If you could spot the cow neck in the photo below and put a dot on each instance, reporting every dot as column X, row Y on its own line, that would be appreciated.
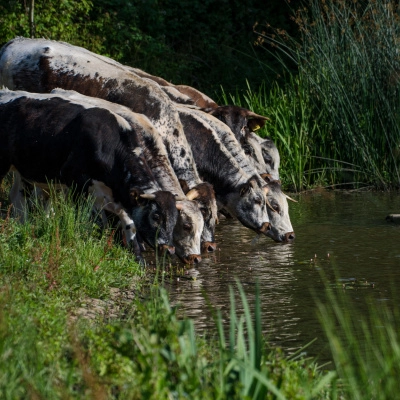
column 214, row 162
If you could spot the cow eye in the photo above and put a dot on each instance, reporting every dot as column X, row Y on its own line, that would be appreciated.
column 203, row 210
column 267, row 157
column 276, row 208
column 187, row 227
column 156, row 217
column 258, row 201
column 248, row 150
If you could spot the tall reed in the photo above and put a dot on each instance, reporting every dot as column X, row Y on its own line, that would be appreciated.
column 349, row 63
column 365, row 345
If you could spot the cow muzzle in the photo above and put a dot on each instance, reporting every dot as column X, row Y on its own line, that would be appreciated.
column 192, row 259
column 208, row 247
column 288, row 237
column 165, row 249
column 265, row 228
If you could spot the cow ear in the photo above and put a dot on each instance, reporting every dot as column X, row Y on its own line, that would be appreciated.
column 267, row 177
column 255, row 121
column 184, row 185
column 247, row 187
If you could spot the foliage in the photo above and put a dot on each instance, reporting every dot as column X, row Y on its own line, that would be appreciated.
column 204, row 44
column 348, row 65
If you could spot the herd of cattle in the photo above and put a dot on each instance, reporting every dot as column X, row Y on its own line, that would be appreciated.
column 166, row 159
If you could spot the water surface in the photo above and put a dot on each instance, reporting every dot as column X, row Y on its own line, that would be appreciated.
column 335, row 231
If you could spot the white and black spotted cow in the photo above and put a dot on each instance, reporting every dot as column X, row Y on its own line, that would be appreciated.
column 262, row 151
column 40, row 65
column 189, row 227
column 237, row 191
column 48, row 138
column 281, row 227
column 235, row 127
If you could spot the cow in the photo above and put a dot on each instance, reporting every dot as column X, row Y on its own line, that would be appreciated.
column 49, row 138
column 243, row 123
column 281, row 227
column 236, row 191
column 189, row 229
column 182, row 94
column 204, row 132
column 40, row 65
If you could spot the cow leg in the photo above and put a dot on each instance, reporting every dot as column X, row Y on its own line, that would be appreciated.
column 18, row 199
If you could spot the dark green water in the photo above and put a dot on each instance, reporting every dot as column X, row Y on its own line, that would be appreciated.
column 335, row 231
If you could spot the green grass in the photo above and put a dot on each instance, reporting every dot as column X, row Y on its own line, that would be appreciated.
column 365, row 345
column 75, row 323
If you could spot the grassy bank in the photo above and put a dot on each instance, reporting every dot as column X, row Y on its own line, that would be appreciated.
column 79, row 319
column 75, row 323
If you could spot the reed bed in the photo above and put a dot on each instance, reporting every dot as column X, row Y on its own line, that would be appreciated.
column 336, row 119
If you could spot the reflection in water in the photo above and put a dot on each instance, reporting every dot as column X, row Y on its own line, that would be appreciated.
column 346, row 233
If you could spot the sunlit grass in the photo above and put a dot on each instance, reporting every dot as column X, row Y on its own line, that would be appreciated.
column 74, row 323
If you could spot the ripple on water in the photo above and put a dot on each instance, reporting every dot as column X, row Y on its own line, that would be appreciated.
column 334, row 232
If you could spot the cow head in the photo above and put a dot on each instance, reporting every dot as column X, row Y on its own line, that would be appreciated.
column 203, row 194
column 262, row 153
column 249, row 206
column 187, row 232
column 155, row 217
column 240, row 120
column 278, row 212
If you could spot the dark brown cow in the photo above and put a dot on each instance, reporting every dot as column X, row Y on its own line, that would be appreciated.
column 49, row 138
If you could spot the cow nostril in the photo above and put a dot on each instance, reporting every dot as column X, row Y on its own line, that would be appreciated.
column 208, row 247
column 289, row 236
column 196, row 259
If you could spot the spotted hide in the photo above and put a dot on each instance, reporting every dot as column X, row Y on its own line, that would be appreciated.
column 182, row 94
column 49, row 138
column 263, row 153
column 40, row 65
column 189, row 227
column 213, row 129
column 236, row 191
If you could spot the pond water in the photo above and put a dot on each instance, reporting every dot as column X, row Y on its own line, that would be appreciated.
column 335, row 231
